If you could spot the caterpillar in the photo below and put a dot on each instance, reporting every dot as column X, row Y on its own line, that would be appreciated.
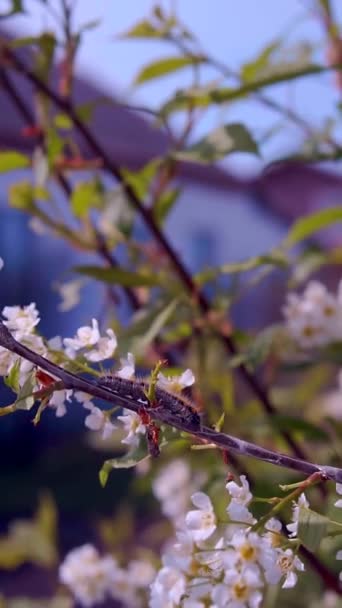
column 136, row 391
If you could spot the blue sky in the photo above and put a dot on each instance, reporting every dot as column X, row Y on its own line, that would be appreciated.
column 232, row 31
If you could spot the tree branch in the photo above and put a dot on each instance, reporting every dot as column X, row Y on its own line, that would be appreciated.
column 11, row 60
column 163, row 414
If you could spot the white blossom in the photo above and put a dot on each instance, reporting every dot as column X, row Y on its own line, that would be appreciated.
column 133, row 427
column 302, row 503
column 69, row 293
column 140, row 572
column 201, row 523
column 97, row 420
column 105, row 348
column 288, row 563
column 313, row 318
column 127, row 369
column 176, row 384
column 7, row 360
column 58, row 401
column 21, row 319
column 240, row 498
column 38, row 227
column 87, row 574
column 168, row 587
column 173, row 487
column 338, row 502
column 239, row 590
column 85, row 336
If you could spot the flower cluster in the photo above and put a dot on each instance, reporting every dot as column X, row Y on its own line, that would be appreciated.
column 89, row 344
column 314, row 318
column 173, row 487
column 92, row 578
column 225, row 565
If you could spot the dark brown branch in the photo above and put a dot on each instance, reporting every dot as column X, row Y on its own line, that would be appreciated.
column 12, row 60
column 164, row 415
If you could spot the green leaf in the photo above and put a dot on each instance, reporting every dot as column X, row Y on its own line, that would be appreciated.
column 24, row 400
column 251, row 70
column 156, row 326
column 141, row 180
column 310, row 224
column 54, row 145
column 127, row 461
column 307, row 429
column 12, row 379
column 274, row 258
column 311, row 528
column 119, row 276
column 204, row 97
column 11, row 160
column 218, row 144
column 63, row 121
column 85, row 196
column 21, row 196
column 44, row 58
column 144, row 29
column 165, row 66
column 261, row 346
column 164, row 204
column 41, row 193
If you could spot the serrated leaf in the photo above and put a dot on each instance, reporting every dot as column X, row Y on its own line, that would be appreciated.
column 311, row 528
column 163, row 67
column 21, row 195
column 85, row 196
column 119, row 276
column 10, row 160
column 127, row 461
column 310, row 224
column 164, row 205
column 218, row 144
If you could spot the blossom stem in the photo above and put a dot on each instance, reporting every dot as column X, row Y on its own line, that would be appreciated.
column 281, row 503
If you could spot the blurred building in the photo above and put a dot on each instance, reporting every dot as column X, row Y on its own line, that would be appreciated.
column 219, row 218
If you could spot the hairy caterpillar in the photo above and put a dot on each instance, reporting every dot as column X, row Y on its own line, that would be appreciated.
column 135, row 390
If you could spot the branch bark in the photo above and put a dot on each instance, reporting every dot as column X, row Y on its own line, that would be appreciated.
column 164, row 415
